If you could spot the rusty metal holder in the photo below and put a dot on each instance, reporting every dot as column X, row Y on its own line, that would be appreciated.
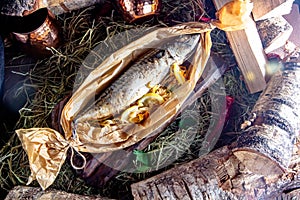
column 133, row 10
column 44, row 36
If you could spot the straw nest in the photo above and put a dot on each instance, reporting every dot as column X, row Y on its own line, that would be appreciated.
column 57, row 76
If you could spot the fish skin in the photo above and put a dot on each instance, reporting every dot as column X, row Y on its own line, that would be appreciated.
column 132, row 84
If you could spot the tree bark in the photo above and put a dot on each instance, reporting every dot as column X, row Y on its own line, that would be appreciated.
column 218, row 175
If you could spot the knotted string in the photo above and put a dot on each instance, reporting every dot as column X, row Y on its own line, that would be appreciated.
column 72, row 157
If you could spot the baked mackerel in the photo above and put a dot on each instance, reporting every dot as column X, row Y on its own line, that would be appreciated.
column 150, row 69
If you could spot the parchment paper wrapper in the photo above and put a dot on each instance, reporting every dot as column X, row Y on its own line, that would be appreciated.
column 46, row 148
column 234, row 15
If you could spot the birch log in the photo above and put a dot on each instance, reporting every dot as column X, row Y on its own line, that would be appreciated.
column 266, row 146
column 219, row 175
column 35, row 193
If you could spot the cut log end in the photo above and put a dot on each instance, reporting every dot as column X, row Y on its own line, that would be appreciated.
column 274, row 32
column 267, row 9
column 258, row 163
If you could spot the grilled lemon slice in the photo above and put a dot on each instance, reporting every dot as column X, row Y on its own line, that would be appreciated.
column 179, row 73
column 150, row 99
column 135, row 114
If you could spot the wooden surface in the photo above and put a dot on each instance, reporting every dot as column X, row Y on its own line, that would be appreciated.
column 249, row 53
column 264, row 9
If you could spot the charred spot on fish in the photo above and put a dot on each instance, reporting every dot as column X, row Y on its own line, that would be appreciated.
column 123, row 135
column 160, row 54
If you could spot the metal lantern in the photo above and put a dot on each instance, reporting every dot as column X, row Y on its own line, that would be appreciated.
column 136, row 9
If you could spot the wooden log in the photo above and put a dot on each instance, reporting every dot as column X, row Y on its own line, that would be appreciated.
column 59, row 7
column 247, row 48
column 34, row 193
column 265, row 147
column 198, row 179
column 274, row 32
column 218, row 175
column 25, row 7
column 263, row 9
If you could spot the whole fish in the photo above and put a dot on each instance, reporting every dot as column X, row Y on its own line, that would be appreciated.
column 134, row 82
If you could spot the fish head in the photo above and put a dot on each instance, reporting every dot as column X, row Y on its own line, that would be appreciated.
column 183, row 46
